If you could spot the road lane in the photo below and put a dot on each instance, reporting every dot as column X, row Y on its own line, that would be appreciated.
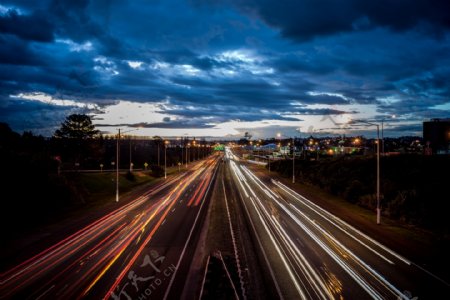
column 121, row 254
column 322, row 256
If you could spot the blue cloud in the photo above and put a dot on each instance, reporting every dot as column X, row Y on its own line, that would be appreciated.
column 230, row 60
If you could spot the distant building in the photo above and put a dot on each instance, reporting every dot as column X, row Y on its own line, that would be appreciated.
column 436, row 136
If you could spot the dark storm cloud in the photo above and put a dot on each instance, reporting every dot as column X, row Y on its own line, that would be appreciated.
column 222, row 113
column 43, row 118
column 319, row 111
column 214, row 62
column 35, row 27
column 179, row 124
column 15, row 51
column 303, row 20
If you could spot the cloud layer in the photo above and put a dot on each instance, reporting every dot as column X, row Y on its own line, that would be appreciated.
column 204, row 65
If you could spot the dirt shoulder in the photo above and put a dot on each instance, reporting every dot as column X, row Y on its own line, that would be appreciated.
column 425, row 248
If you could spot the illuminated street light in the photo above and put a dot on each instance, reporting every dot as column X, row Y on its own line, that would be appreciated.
column 117, row 166
column 181, row 146
column 117, row 160
column 187, row 151
column 165, row 158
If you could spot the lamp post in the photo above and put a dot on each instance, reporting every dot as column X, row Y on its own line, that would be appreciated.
column 165, row 159
column 378, row 165
column 182, row 154
column 131, row 164
column 187, row 150
column 117, row 166
column 117, row 160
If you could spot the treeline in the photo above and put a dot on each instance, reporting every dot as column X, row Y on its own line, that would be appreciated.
column 414, row 188
column 31, row 190
column 40, row 179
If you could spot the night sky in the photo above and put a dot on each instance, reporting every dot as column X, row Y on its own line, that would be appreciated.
column 221, row 68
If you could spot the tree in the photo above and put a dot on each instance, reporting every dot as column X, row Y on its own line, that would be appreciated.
column 76, row 141
column 77, row 126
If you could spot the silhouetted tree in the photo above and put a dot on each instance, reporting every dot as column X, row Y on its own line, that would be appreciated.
column 78, row 140
column 77, row 126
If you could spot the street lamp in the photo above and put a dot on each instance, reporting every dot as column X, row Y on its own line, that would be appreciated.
column 193, row 150
column 181, row 145
column 165, row 158
column 187, row 151
column 131, row 164
column 117, row 166
column 117, row 160
column 378, row 164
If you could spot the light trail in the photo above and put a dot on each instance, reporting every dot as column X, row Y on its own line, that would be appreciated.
column 86, row 256
column 288, row 250
column 330, row 217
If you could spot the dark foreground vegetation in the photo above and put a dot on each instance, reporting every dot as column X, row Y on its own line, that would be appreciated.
column 40, row 182
column 414, row 188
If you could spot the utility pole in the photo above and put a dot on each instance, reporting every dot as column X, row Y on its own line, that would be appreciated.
column 131, row 164
column 378, row 176
column 117, row 166
column 165, row 159
column 182, row 154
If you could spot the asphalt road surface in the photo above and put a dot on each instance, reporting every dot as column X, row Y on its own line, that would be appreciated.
column 311, row 254
column 142, row 250
column 284, row 246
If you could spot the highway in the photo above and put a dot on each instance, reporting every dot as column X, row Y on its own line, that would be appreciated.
column 311, row 254
column 141, row 250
